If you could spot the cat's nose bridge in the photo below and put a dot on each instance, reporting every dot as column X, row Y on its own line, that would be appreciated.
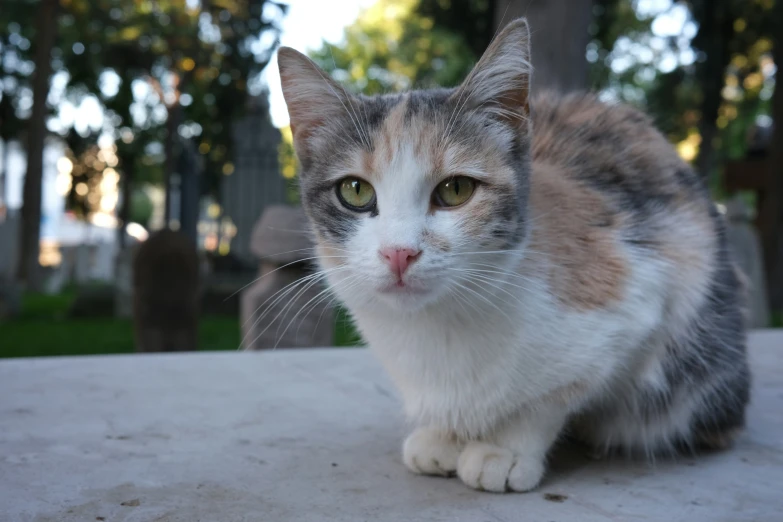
column 401, row 232
column 401, row 220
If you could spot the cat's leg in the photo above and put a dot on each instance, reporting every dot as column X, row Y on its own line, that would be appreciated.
column 514, row 458
column 428, row 451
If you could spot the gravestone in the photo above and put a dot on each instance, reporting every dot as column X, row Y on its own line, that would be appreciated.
column 753, row 173
column 10, row 291
column 745, row 247
column 166, row 293
column 9, row 241
column 10, row 298
column 282, row 309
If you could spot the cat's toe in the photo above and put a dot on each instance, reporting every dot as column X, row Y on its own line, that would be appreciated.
column 525, row 474
column 485, row 467
column 428, row 452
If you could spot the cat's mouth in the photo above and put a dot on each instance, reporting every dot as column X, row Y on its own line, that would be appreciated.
column 402, row 288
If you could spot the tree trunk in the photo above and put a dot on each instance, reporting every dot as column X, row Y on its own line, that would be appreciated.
column 46, row 28
column 560, row 36
column 190, row 191
column 126, row 190
column 715, row 34
column 172, row 153
column 3, row 181
column 772, row 219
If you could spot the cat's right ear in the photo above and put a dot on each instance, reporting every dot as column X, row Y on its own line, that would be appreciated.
column 312, row 97
column 500, row 81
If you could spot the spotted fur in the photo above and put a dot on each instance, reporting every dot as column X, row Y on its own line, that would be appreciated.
column 585, row 287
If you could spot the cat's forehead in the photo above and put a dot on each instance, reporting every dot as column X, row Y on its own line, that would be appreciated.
column 430, row 103
column 420, row 133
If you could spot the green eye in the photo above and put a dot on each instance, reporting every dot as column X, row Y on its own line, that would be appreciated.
column 356, row 194
column 453, row 192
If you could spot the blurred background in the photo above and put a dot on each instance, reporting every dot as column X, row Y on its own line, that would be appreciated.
column 147, row 175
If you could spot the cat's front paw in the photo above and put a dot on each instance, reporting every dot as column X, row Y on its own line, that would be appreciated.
column 428, row 452
column 487, row 467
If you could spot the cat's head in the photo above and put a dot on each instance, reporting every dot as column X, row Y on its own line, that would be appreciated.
column 404, row 190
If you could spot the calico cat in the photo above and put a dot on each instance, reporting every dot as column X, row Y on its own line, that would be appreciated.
column 524, row 267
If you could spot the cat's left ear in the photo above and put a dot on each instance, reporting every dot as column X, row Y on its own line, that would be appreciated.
column 312, row 97
column 500, row 81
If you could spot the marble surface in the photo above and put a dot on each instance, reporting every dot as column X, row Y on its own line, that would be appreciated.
column 315, row 435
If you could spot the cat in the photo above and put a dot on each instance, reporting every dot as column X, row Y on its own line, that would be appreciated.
column 526, row 267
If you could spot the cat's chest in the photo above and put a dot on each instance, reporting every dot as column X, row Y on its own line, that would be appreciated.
column 438, row 354
column 451, row 369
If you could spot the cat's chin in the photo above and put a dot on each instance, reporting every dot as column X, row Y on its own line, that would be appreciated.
column 405, row 297
column 399, row 289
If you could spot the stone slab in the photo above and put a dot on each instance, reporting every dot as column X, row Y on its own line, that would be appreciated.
column 314, row 435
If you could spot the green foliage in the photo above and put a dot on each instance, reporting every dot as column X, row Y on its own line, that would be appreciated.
column 141, row 207
column 345, row 332
column 472, row 20
column 735, row 34
column 17, row 45
column 45, row 330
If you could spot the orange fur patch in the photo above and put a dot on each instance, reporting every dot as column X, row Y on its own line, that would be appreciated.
column 585, row 268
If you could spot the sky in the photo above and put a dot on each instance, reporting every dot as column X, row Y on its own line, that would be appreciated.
column 307, row 24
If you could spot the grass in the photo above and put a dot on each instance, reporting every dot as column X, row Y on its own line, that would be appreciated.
column 43, row 329
column 345, row 333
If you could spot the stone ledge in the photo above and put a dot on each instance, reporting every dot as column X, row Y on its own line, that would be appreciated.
column 314, row 435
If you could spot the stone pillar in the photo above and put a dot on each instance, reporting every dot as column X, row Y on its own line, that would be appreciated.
column 281, row 309
column 746, row 250
column 10, row 290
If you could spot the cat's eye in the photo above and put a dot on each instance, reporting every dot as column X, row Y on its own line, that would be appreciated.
column 356, row 194
column 453, row 192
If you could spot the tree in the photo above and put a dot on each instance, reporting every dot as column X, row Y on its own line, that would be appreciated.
column 197, row 58
column 472, row 20
column 16, row 30
column 774, row 211
column 714, row 37
column 200, row 82
column 46, row 30
column 392, row 47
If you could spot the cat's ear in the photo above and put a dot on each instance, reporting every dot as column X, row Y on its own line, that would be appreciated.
column 313, row 98
column 500, row 81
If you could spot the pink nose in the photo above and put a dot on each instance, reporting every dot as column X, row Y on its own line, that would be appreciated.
column 399, row 259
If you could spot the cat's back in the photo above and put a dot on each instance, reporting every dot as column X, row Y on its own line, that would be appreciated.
column 614, row 149
column 611, row 198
